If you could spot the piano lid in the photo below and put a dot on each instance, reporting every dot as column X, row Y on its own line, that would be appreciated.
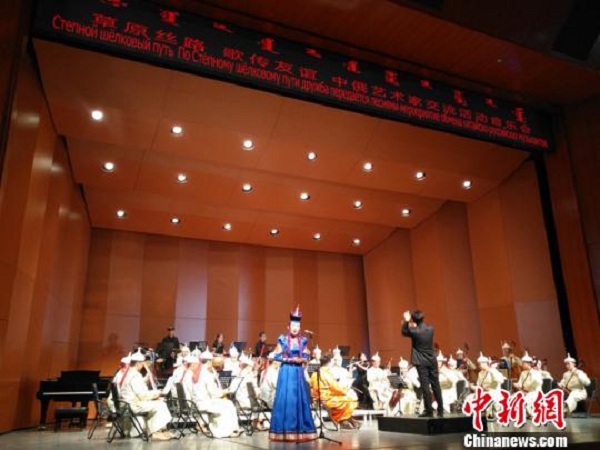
column 79, row 376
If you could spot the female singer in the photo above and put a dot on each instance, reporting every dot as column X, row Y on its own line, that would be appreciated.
column 291, row 418
column 217, row 345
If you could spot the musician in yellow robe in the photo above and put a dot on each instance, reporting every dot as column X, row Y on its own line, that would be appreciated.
column 334, row 397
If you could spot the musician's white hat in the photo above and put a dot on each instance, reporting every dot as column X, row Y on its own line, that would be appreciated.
column 506, row 346
column 459, row 351
column 244, row 359
column 336, row 351
column 527, row 358
column 196, row 352
column 126, row 359
column 441, row 357
column 451, row 362
column 184, row 349
column 192, row 359
column 233, row 352
column 178, row 362
column 483, row 359
column 206, row 355
column 138, row 356
column 316, row 350
column 403, row 364
column 376, row 357
column 569, row 358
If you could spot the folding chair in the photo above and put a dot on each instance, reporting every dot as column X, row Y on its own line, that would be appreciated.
column 244, row 414
column 259, row 405
column 188, row 412
column 102, row 410
column 122, row 415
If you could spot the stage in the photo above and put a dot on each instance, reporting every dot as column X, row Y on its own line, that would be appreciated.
column 582, row 433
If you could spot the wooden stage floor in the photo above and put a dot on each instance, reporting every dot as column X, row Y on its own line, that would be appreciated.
column 582, row 433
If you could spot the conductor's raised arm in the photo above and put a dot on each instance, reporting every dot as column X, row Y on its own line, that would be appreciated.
column 405, row 328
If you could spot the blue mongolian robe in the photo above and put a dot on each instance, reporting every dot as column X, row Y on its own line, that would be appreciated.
column 291, row 418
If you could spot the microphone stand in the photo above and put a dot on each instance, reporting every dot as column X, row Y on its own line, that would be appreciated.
column 320, row 412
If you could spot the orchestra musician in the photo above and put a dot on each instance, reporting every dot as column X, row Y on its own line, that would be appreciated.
column 260, row 349
column 218, row 346
column 361, row 384
column 143, row 400
column 448, row 379
column 380, row 388
column 573, row 382
column 530, row 382
column 334, row 396
column 408, row 396
column 489, row 379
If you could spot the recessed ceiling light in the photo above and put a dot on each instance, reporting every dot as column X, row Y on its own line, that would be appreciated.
column 108, row 166
column 177, row 130
column 182, row 178
column 121, row 214
column 304, row 196
column 247, row 187
column 368, row 166
column 247, row 144
column 274, row 232
column 406, row 212
column 175, row 220
column 357, row 204
column 311, row 156
column 317, row 236
column 420, row 175
column 466, row 184
column 355, row 242
column 97, row 115
column 227, row 226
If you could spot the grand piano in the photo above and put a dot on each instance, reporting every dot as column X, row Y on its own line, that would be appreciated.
column 73, row 386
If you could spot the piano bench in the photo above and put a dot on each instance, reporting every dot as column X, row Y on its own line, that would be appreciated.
column 76, row 416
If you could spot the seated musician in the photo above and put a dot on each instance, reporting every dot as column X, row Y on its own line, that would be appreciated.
column 239, row 386
column 457, row 375
column 118, row 378
column 316, row 355
column 573, row 382
column 268, row 382
column 209, row 397
column 334, row 397
column 232, row 364
column 489, row 379
column 379, row 384
column 448, row 379
column 142, row 400
column 218, row 345
column 465, row 365
column 408, row 397
column 530, row 382
column 541, row 365
column 341, row 375
column 180, row 367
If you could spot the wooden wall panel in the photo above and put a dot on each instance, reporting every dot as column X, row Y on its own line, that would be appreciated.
column 44, row 237
column 576, row 206
column 390, row 291
column 210, row 287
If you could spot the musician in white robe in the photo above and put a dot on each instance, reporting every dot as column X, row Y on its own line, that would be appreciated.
column 573, row 382
column 268, row 383
column 379, row 385
column 529, row 382
column 239, row 387
column 316, row 356
column 408, row 401
column 448, row 379
column 342, row 375
column 180, row 366
column 232, row 364
column 118, row 377
column 209, row 397
column 541, row 365
column 489, row 379
column 457, row 375
column 135, row 392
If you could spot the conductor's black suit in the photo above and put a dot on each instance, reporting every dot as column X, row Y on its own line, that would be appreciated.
column 423, row 358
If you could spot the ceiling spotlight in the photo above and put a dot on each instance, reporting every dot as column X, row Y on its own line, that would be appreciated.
column 466, row 184
column 317, row 236
column 304, row 196
column 247, row 187
column 97, row 115
column 406, row 212
column 182, row 178
column 121, row 214
column 227, row 226
column 177, row 130
column 108, row 166
column 355, row 242
column 357, row 204
column 368, row 166
column 247, row 144
column 311, row 156
column 420, row 175
column 175, row 220
column 274, row 232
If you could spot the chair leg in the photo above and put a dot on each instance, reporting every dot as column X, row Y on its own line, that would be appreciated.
column 93, row 428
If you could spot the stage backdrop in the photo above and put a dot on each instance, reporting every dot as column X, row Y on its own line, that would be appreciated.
column 138, row 284
column 481, row 272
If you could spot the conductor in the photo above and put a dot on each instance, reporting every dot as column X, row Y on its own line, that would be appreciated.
column 423, row 358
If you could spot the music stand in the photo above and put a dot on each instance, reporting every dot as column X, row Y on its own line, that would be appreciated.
column 397, row 382
column 316, row 368
column 344, row 350
column 240, row 345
